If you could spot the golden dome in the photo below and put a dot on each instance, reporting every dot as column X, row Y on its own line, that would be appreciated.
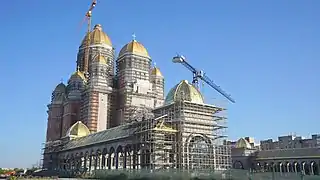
column 78, row 129
column 97, row 36
column 100, row 59
column 184, row 91
column 243, row 143
column 78, row 74
column 156, row 72
column 134, row 47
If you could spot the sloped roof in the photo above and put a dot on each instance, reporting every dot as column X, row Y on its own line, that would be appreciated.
column 288, row 153
column 118, row 132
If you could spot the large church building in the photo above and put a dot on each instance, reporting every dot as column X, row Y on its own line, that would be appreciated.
column 112, row 114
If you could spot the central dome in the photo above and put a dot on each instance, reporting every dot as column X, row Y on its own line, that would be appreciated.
column 134, row 47
column 97, row 36
column 184, row 91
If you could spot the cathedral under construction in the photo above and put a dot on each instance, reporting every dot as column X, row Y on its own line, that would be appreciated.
column 113, row 114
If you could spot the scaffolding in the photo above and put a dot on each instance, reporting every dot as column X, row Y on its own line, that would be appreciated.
column 184, row 136
column 179, row 137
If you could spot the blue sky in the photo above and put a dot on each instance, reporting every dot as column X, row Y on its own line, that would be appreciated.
column 265, row 53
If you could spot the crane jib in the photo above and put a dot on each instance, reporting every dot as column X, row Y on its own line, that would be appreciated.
column 201, row 75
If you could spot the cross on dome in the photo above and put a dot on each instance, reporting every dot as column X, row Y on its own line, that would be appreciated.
column 133, row 36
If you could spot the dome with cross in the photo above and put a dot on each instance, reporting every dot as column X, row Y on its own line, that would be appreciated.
column 134, row 47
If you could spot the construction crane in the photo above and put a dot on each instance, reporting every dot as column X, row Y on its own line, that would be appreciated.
column 88, row 16
column 200, row 75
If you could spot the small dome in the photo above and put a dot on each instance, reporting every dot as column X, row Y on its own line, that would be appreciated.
column 156, row 72
column 78, row 129
column 77, row 74
column 184, row 91
column 100, row 59
column 60, row 87
column 134, row 47
column 97, row 36
column 243, row 143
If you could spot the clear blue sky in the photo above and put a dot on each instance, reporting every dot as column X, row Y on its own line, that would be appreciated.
column 265, row 53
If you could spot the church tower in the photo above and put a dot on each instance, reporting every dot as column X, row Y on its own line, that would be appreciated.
column 55, row 113
column 97, row 105
column 157, row 81
column 133, row 74
column 71, row 115
column 99, row 91
column 98, row 43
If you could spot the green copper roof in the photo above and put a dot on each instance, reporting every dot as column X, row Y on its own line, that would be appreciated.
column 184, row 91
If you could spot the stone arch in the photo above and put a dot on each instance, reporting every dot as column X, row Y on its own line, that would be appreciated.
column 281, row 167
column 273, row 167
column 145, row 158
column 72, row 161
column 128, row 150
column 86, row 161
column 258, row 166
column 199, row 148
column 305, row 167
column 265, row 166
column 104, row 158
column 314, row 168
column 77, row 162
column 192, row 135
column 91, row 160
column 288, row 167
column 296, row 166
column 97, row 159
column 67, row 162
column 112, row 158
column 237, row 165
column 81, row 162
column 119, row 157
column 277, row 166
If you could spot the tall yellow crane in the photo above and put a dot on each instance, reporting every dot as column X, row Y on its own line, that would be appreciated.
column 88, row 39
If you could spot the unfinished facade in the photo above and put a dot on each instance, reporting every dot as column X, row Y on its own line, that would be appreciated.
column 184, row 134
column 120, row 120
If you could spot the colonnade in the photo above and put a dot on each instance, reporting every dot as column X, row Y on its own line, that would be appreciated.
column 121, row 158
column 310, row 168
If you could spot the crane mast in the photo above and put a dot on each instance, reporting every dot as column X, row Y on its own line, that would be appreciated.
column 88, row 39
column 200, row 75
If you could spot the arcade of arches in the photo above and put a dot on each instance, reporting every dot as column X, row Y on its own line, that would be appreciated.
column 120, row 158
column 308, row 167
column 136, row 156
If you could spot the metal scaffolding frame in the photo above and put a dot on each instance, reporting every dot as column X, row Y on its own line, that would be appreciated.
column 166, row 143
column 179, row 137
